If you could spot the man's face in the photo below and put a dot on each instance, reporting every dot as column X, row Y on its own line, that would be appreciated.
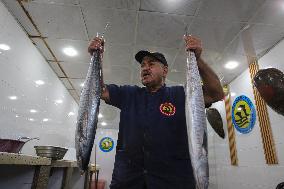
column 153, row 72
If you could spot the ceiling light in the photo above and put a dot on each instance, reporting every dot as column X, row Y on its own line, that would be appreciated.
column 71, row 114
column 45, row 119
column 39, row 82
column 100, row 115
column 233, row 94
column 59, row 101
column 103, row 123
column 17, row 115
column 33, row 111
column 70, row 51
column 4, row 47
column 31, row 119
column 231, row 65
column 13, row 97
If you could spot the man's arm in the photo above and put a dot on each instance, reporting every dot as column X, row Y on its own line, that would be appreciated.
column 212, row 89
column 98, row 43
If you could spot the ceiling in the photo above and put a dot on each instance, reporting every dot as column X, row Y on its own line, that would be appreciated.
column 155, row 25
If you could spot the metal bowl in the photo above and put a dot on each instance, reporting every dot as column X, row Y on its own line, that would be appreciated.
column 14, row 146
column 11, row 146
column 53, row 152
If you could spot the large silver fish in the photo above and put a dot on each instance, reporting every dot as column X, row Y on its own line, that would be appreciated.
column 196, row 124
column 88, row 112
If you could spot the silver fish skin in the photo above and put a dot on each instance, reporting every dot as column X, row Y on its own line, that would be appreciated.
column 196, row 124
column 88, row 112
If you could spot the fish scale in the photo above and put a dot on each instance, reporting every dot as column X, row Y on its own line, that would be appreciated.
column 196, row 124
column 88, row 112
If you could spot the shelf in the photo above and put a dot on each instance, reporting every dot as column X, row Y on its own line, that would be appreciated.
column 20, row 159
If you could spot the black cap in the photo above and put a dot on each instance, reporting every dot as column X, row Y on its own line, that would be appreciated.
column 159, row 56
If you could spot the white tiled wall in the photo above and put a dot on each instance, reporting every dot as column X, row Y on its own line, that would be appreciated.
column 252, row 172
column 105, row 159
column 20, row 67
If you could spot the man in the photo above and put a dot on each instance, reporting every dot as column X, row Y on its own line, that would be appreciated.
column 152, row 150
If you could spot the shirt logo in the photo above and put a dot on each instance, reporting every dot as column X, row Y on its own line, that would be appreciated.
column 106, row 144
column 243, row 114
column 167, row 109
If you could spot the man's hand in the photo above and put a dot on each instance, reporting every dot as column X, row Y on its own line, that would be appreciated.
column 194, row 44
column 96, row 44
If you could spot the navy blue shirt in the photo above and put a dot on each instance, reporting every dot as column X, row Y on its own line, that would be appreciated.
column 152, row 146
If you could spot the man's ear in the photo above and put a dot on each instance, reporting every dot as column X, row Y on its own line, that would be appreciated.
column 165, row 70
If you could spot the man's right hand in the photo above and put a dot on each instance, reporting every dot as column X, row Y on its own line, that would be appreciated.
column 96, row 44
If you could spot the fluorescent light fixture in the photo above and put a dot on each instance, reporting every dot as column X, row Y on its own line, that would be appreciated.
column 71, row 114
column 59, row 101
column 70, row 51
column 45, row 120
column 31, row 119
column 13, row 97
column 4, row 47
column 233, row 94
column 100, row 115
column 231, row 65
column 33, row 111
column 39, row 82
column 103, row 123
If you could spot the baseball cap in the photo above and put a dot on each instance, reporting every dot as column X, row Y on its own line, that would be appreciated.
column 159, row 56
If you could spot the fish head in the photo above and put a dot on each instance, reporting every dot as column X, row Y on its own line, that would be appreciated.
column 152, row 72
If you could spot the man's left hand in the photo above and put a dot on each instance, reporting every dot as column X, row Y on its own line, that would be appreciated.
column 194, row 44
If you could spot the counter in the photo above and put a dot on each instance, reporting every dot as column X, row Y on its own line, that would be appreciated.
column 43, row 169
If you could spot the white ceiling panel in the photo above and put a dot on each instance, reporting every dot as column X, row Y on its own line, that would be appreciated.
column 57, row 45
column 229, row 10
column 118, row 75
column 66, row 82
column 56, row 69
column 62, row 2
column 58, row 21
column 42, row 48
column 176, row 77
column 155, row 29
column 75, row 70
column 215, row 35
column 272, row 13
column 19, row 14
column 121, row 28
column 229, row 75
column 263, row 38
column 118, row 55
column 209, row 56
column 75, row 95
column 77, row 84
column 116, row 4
column 181, row 7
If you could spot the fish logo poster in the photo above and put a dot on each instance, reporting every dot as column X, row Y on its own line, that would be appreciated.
column 106, row 144
column 243, row 114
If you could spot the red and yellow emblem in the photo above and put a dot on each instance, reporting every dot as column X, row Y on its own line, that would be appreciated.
column 167, row 109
